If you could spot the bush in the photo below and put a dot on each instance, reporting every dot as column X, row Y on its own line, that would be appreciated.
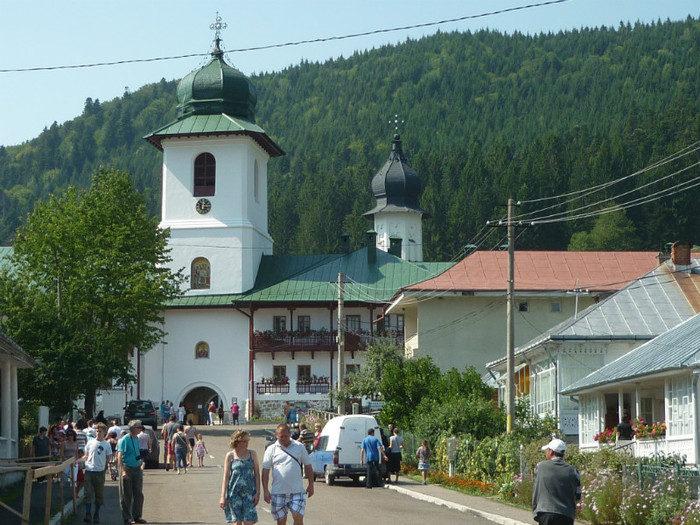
column 669, row 496
column 601, row 497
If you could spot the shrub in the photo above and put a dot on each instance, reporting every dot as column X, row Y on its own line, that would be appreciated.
column 635, row 508
column 601, row 497
column 669, row 496
column 689, row 516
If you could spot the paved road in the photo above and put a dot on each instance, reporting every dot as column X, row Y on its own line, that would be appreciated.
column 193, row 498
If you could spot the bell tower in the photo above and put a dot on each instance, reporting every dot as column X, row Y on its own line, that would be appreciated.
column 397, row 216
column 215, row 178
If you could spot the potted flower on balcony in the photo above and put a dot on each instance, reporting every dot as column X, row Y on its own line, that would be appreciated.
column 606, row 437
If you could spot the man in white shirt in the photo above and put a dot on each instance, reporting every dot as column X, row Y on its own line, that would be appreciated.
column 97, row 452
column 287, row 460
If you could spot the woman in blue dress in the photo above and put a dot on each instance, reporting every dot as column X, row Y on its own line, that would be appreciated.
column 240, row 489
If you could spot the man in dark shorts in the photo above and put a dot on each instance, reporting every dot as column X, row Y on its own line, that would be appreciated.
column 167, row 434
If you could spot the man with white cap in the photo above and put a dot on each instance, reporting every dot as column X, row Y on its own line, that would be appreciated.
column 557, row 487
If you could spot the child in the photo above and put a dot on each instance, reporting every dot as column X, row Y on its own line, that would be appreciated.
column 200, row 449
column 423, row 454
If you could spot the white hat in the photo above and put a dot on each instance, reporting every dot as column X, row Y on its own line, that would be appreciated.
column 556, row 445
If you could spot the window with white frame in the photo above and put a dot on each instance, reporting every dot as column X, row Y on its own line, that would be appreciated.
column 545, row 390
column 279, row 324
column 679, row 397
column 589, row 417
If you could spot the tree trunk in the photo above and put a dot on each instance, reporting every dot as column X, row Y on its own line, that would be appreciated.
column 90, row 402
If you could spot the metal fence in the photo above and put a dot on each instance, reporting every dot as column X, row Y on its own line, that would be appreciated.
column 646, row 476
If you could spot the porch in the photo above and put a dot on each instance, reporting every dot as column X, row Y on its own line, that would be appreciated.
column 645, row 448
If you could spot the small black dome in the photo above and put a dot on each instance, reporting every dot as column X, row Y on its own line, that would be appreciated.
column 397, row 185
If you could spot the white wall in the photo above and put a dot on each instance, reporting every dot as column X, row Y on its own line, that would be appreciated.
column 170, row 370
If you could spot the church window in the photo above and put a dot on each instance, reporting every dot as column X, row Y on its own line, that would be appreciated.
column 304, row 373
column 256, row 182
column 201, row 274
column 303, row 324
column 204, row 175
column 201, row 350
column 279, row 374
column 352, row 323
column 279, row 324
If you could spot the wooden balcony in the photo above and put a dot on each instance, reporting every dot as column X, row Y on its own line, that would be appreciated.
column 315, row 341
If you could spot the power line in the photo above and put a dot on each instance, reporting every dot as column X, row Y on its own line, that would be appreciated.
column 289, row 44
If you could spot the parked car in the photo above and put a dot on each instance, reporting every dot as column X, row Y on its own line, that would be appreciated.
column 153, row 458
column 141, row 409
column 337, row 452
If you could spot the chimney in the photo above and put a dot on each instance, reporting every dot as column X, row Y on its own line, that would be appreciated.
column 680, row 253
column 345, row 242
column 395, row 245
column 371, row 237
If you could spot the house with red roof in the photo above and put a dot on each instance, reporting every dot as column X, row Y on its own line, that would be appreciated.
column 459, row 317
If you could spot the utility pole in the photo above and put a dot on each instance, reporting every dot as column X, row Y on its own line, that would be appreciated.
column 510, row 333
column 341, row 337
column 510, row 313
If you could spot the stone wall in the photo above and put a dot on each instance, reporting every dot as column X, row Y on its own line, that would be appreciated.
column 274, row 408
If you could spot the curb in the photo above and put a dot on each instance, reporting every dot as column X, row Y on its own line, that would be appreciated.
column 501, row 520
column 67, row 509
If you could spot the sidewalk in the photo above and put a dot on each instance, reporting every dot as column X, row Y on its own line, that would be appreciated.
column 484, row 507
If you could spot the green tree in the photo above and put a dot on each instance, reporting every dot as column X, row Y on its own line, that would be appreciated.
column 612, row 232
column 88, row 284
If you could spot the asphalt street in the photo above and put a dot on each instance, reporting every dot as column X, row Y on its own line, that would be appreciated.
column 193, row 498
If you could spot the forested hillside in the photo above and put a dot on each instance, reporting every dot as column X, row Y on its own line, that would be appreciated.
column 487, row 116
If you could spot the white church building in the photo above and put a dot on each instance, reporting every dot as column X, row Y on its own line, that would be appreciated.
column 252, row 326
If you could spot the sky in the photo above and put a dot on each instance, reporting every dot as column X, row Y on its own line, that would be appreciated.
column 49, row 33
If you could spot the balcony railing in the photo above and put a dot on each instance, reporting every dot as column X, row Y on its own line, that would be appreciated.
column 304, row 387
column 272, row 388
column 294, row 341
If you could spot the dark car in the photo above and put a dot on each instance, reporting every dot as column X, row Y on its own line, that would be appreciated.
column 141, row 409
column 153, row 459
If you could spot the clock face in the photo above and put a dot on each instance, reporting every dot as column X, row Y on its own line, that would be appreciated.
column 203, row 206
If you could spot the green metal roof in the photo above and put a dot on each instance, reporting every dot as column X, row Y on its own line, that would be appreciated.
column 313, row 279
column 219, row 124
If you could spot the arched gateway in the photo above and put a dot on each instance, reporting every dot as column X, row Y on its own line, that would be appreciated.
column 197, row 400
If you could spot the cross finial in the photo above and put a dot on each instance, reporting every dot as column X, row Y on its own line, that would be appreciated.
column 396, row 122
column 218, row 26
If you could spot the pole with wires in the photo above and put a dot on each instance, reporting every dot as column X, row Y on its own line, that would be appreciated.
column 341, row 338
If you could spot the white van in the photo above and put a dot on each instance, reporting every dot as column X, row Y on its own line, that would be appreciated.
column 337, row 452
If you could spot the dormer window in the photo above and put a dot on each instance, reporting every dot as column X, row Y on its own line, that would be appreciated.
column 204, row 175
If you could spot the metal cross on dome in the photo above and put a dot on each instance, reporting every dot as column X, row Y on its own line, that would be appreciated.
column 396, row 123
column 218, row 26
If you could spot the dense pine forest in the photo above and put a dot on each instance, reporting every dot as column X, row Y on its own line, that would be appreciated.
column 487, row 116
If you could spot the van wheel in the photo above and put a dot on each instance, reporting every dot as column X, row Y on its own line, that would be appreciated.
column 330, row 480
column 356, row 480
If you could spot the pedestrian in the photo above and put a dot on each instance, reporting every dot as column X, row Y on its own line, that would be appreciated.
column 624, row 429
column 395, row 448
column 163, row 417
column 41, row 445
column 557, row 487
column 220, row 412
column 371, row 453
column 181, row 413
column 191, row 433
column 423, row 454
column 166, row 412
column 131, row 474
column 182, row 448
column 285, row 410
column 98, row 453
column 212, row 412
column 240, row 488
column 144, row 446
column 317, row 434
column 286, row 461
column 235, row 411
column 116, row 427
column 71, row 450
column 201, row 449
column 306, row 437
column 167, row 433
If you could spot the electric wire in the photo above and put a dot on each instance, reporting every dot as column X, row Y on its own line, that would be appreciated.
column 290, row 44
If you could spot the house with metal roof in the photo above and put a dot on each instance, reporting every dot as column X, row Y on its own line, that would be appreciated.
column 546, row 366
column 458, row 318
column 655, row 382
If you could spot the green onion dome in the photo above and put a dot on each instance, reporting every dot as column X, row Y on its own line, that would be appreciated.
column 216, row 88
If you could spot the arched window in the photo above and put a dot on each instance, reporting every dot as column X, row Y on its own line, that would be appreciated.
column 204, row 175
column 201, row 274
column 201, row 350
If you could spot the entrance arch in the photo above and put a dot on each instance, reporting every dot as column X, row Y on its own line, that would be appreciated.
column 196, row 401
